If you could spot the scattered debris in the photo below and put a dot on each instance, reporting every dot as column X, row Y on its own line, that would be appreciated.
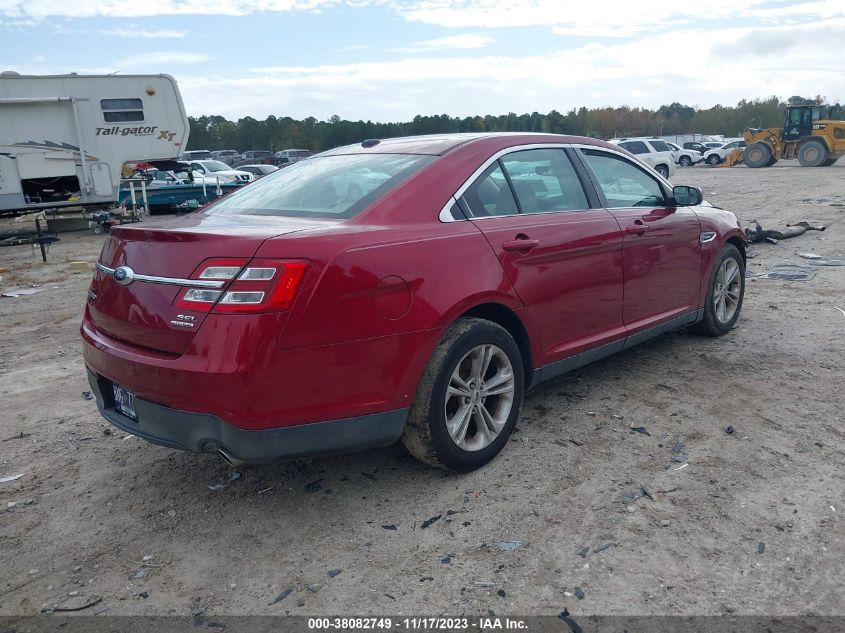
column 810, row 256
column 390, row 526
column 601, row 548
column 508, row 546
column 446, row 559
column 791, row 272
column 484, row 584
column 369, row 475
column 214, row 487
column 729, row 430
column 235, row 476
column 334, row 573
column 759, row 234
column 577, row 441
column 579, row 593
column 87, row 605
column 646, row 493
column 682, row 467
column 664, row 523
column 21, row 292
column 560, row 443
column 284, row 594
column 761, row 547
column 640, row 429
column 679, row 458
column 19, row 436
column 583, row 552
column 501, row 593
column 3, row 480
column 314, row 486
column 840, row 309
column 678, row 448
column 426, row 579
column 87, row 395
column 428, row 522
column 314, row 587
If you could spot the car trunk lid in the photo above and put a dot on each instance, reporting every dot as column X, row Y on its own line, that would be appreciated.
column 142, row 313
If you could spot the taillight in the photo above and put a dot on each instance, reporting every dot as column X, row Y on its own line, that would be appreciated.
column 264, row 285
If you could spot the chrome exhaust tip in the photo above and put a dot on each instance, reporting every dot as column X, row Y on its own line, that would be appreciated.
column 232, row 461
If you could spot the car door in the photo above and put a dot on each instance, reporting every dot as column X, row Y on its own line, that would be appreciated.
column 563, row 257
column 661, row 252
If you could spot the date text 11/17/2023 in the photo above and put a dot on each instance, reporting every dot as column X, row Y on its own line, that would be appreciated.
column 416, row 624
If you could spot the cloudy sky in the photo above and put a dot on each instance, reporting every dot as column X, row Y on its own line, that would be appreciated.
column 388, row 60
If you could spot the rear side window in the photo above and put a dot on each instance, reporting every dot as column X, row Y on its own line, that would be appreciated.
column 624, row 184
column 490, row 194
column 660, row 146
column 635, row 147
column 122, row 110
column 544, row 180
column 326, row 187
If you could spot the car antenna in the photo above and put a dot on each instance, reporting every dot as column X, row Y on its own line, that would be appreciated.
column 370, row 142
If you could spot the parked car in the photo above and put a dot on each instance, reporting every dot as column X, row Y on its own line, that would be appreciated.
column 286, row 156
column 652, row 151
column 258, row 170
column 354, row 183
column 685, row 157
column 716, row 155
column 257, row 155
column 162, row 178
column 695, row 145
column 286, row 320
column 209, row 171
column 227, row 156
column 197, row 154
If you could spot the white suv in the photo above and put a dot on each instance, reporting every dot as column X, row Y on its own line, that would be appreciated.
column 652, row 151
column 718, row 154
column 685, row 157
column 210, row 171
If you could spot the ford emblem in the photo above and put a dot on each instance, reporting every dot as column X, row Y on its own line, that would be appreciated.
column 124, row 275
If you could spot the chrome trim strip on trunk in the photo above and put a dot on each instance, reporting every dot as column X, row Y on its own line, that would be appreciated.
column 167, row 281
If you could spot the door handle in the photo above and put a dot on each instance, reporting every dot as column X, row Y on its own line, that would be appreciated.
column 637, row 228
column 520, row 244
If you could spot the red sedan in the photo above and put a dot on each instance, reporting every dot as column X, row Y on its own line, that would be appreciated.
column 302, row 315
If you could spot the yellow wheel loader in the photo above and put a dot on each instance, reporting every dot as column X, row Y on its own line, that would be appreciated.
column 808, row 135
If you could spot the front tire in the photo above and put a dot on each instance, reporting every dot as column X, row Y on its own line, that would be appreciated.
column 757, row 155
column 685, row 161
column 469, row 397
column 725, row 292
column 713, row 159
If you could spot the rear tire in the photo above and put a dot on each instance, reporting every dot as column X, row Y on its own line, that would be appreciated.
column 757, row 155
column 713, row 159
column 463, row 415
column 685, row 161
column 663, row 170
column 725, row 292
column 812, row 153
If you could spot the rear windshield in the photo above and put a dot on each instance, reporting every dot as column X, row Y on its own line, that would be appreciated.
column 327, row 187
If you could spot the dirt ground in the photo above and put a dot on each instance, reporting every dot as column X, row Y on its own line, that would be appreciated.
column 750, row 523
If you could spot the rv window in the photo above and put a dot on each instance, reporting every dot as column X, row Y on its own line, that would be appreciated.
column 121, row 110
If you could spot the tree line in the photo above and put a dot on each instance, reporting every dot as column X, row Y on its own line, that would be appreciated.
column 276, row 133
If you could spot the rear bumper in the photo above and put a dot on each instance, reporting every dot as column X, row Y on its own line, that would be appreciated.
column 202, row 433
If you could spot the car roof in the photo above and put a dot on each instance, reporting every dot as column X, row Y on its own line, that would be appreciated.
column 439, row 144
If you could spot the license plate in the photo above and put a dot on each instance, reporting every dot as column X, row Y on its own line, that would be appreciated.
column 124, row 402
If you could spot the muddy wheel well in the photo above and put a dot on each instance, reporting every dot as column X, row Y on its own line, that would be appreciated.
column 497, row 313
column 740, row 244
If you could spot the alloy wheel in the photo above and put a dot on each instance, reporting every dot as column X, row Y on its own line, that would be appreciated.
column 479, row 397
column 727, row 290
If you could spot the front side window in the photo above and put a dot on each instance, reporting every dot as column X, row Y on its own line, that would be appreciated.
column 624, row 185
column 320, row 187
column 544, row 180
column 122, row 110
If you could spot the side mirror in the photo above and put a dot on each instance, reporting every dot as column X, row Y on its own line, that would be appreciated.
column 687, row 196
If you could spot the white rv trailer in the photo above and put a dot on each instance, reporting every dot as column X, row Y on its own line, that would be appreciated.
column 65, row 138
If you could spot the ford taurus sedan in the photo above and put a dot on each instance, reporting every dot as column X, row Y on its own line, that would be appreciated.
column 292, row 319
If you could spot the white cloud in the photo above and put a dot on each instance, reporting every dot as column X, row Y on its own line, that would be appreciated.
column 154, row 60
column 442, row 45
column 136, row 32
column 723, row 70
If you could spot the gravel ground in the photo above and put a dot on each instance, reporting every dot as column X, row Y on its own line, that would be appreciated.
column 578, row 502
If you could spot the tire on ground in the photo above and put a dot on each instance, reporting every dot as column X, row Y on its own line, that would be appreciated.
column 757, row 155
column 711, row 325
column 663, row 170
column 685, row 161
column 713, row 159
column 812, row 153
column 426, row 436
